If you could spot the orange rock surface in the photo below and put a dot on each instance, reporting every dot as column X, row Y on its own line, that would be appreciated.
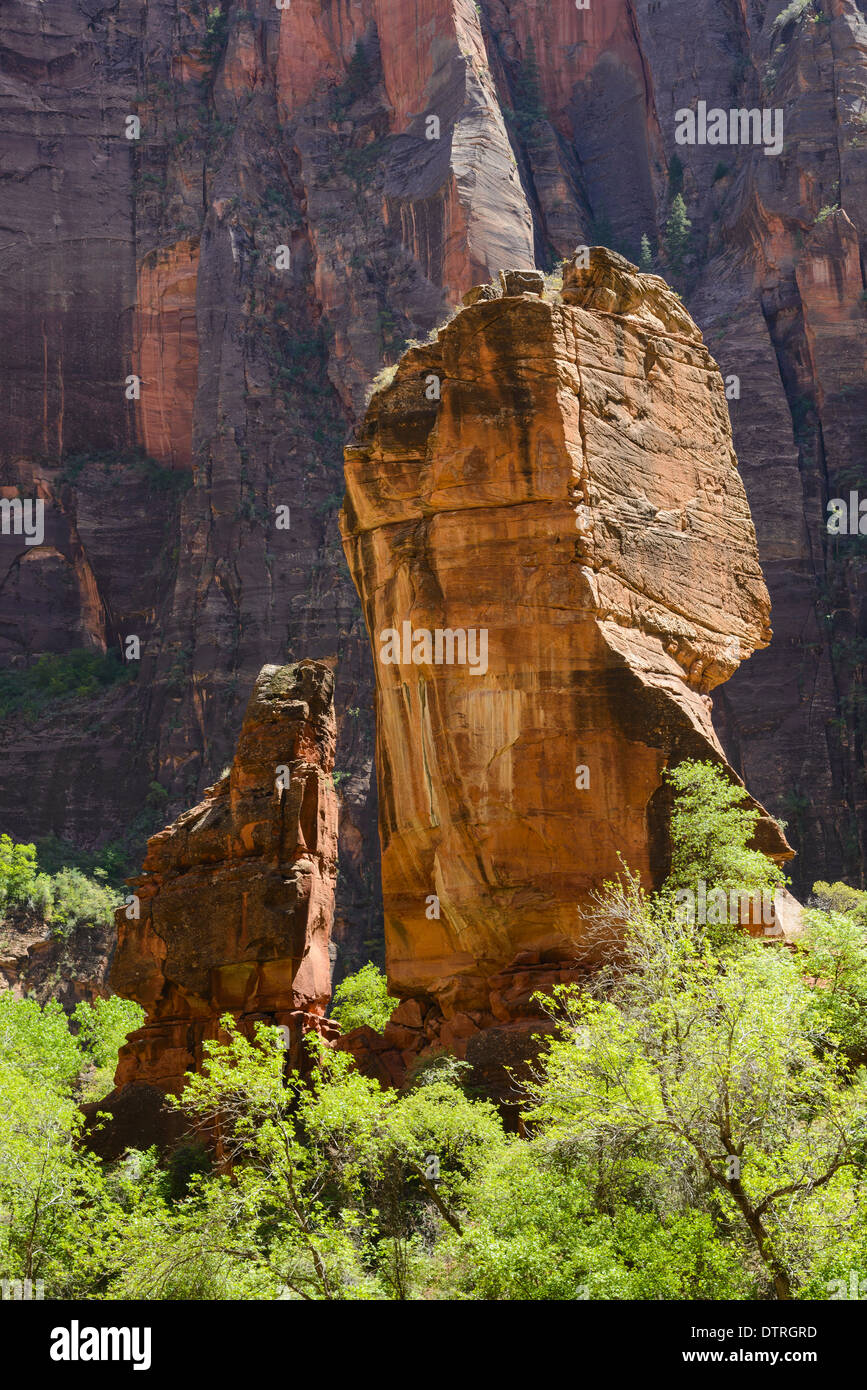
column 167, row 351
column 574, row 494
column 237, row 895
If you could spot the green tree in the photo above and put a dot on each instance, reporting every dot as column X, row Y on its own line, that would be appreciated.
column 711, row 828
column 840, row 897
column 528, row 104
column 331, row 1196
column 677, row 233
column 645, row 262
column 833, row 952
column 675, row 176
column 78, row 900
column 363, row 998
column 103, row 1027
column 56, row 1215
column 67, row 899
column 705, row 1076
column 18, row 872
column 548, row 1221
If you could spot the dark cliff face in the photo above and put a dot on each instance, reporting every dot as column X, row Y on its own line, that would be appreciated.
column 307, row 129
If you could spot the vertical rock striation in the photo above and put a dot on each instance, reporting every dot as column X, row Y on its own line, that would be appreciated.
column 237, row 895
column 572, row 504
column 310, row 127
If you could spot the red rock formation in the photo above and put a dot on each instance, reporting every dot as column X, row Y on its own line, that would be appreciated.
column 306, row 126
column 574, row 496
column 166, row 356
column 35, row 962
column 237, row 896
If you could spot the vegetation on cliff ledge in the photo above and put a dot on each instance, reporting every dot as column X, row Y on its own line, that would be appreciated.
column 29, row 691
column 62, row 900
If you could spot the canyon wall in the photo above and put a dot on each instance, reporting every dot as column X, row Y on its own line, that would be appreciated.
column 552, row 481
column 312, row 129
column 235, row 901
column 70, row 967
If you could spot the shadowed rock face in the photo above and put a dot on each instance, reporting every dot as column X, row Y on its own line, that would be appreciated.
column 237, row 896
column 308, row 126
column 573, row 493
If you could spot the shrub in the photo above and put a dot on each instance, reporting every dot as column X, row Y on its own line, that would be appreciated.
column 792, row 12
column 18, row 872
column 103, row 1027
column 840, row 897
column 77, row 900
column 59, row 676
column 384, row 377
column 834, row 948
column 363, row 998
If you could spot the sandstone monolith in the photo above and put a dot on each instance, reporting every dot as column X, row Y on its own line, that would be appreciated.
column 236, row 897
column 555, row 471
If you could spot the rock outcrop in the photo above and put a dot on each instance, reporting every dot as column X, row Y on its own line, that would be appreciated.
column 236, row 898
column 401, row 153
column 37, row 962
column 555, row 556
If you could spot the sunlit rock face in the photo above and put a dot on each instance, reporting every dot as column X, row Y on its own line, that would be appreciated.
column 548, row 531
column 236, row 897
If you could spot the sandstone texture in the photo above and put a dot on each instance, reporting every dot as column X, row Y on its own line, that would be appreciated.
column 307, row 127
column 574, row 492
column 72, row 969
column 237, row 895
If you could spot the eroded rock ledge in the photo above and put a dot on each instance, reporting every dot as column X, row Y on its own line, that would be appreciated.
column 557, row 470
column 237, row 895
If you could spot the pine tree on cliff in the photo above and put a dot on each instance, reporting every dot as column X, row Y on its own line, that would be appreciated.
column 358, row 72
column 677, row 230
column 645, row 260
column 528, row 91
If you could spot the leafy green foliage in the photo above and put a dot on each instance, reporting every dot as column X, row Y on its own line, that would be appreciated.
column 56, row 1216
column 110, row 864
column 216, row 32
column 102, row 1030
column 695, row 1127
column 126, row 467
column 329, row 1196
column 54, row 677
column 103, row 1027
column 711, row 827
column 37, row 1040
column 77, row 900
column 18, row 872
column 363, row 998
column 796, row 10
column 528, row 106
column 66, row 899
column 699, row 1141
column 834, row 948
column 839, row 897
